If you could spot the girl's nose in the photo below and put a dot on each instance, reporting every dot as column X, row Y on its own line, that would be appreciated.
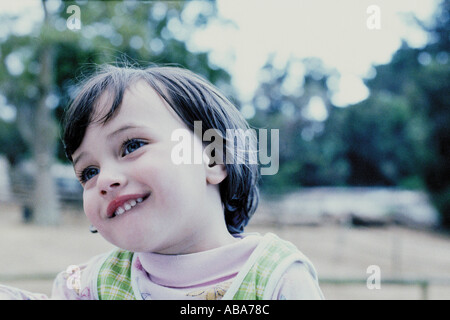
column 110, row 189
column 110, row 182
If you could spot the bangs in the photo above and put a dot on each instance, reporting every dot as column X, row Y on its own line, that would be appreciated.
column 103, row 92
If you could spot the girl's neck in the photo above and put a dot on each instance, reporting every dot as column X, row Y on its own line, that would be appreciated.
column 212, row 233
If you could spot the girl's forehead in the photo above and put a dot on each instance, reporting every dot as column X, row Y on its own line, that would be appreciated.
column 139, row 101
column 143, row 95
column 105, row 102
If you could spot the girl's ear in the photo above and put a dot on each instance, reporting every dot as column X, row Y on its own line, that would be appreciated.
column 215, row 173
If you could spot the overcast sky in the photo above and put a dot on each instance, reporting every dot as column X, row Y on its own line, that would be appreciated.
column 335, row 31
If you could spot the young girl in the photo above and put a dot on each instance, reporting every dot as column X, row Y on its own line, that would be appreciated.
column 178, row 227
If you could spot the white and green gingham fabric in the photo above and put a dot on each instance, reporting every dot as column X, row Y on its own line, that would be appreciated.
column 255, row 282
column 271, row 262
column 114, row 277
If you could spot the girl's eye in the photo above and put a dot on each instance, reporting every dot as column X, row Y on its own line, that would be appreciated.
column 131, row 145
column 88, row 174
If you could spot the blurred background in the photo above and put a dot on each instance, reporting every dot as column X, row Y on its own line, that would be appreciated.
column 359, row 91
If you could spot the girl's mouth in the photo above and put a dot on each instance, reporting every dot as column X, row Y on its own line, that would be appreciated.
column 124, row 204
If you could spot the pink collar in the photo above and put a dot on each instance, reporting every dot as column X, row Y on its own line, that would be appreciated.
column 200, row 268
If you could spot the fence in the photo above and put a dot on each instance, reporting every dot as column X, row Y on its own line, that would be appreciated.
column 423, row 284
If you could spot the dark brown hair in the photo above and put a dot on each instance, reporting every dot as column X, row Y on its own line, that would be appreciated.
column 193, row 99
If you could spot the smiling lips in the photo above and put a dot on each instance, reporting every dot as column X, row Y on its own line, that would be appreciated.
column 123, row 204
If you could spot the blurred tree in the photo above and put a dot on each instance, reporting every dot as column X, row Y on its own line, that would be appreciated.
column 422, row 78
column 381, row 140
column 11, row 142
column 30, row 92
column 434, row 81
column 38, row 70
column 398, row 136
column 294, row 100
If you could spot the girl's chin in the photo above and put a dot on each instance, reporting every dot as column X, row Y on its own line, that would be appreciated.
column 131, row 240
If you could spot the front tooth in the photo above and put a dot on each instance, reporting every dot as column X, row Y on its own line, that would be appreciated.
column 127, row 206
column 120, row 210
column 132, row 203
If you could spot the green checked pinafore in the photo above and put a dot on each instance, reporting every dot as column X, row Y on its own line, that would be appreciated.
column 256, row 281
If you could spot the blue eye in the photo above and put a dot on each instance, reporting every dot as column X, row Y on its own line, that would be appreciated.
column 88, row 174
column 131, row 145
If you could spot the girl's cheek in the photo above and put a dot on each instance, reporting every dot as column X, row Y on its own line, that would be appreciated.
column 88, row 206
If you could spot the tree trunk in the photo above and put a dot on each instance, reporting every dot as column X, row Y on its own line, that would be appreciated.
column 45, row 200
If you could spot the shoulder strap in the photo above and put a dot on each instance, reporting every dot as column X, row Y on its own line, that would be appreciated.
column 272, row 260
column 114, row 277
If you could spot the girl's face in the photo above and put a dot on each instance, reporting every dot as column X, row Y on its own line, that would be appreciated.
column 135, row 196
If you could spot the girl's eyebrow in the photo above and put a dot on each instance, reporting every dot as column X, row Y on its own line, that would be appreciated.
column 121, row 129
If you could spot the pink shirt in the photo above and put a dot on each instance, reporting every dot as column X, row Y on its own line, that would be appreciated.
column 202, row 275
